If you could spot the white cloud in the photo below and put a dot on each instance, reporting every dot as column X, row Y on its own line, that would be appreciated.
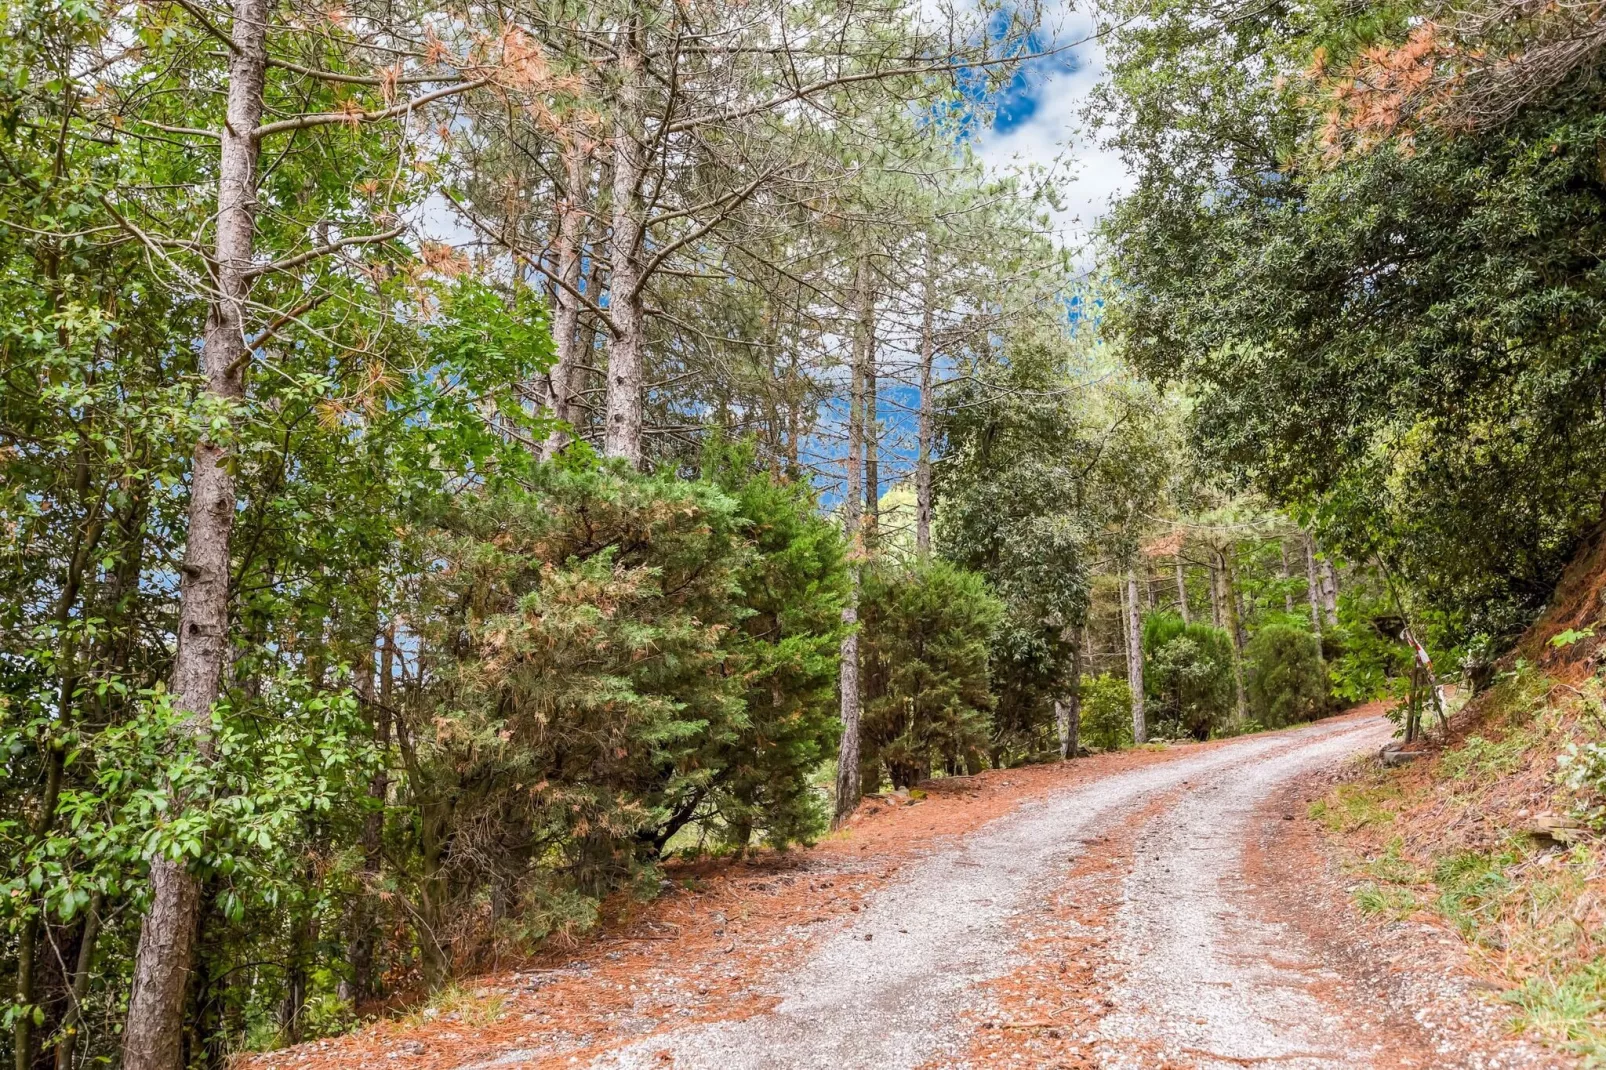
column 1089, row 176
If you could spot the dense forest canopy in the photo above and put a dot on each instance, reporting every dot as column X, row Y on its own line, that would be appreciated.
column 455, row 459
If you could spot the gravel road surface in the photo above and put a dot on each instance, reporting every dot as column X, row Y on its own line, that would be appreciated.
column 1197, row 975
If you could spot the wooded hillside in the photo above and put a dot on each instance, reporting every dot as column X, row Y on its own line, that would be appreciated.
column 455, row 459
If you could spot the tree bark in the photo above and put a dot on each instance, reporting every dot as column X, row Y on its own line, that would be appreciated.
column 1134, row 657
column 1182, row 592
column 1068, row 711
column 1229, row 599
column 924, row 503
column 1313, row 588
column 1330, row 593
column 848, row 784
column 627, row 353
column 79, row 990
column 872, row 461
column 1216, row 614
column 566, row 321
column 362, row 947
column 1313, row 593
column 152, row 1032
column 1284, row 574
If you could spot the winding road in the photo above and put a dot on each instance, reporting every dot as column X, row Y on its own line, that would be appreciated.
column 1170, row 908
column 1195, row 975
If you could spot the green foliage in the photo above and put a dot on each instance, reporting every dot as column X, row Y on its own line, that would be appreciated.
column 1569, row 636
column 1362, row 662
column 793, row 587
column 1568, row 1007
column 1389, row 903
column 1402, row 343
column 1040, row 473
column 1187, row 676
column 1355, row 806
column 923, row 650
column 1285, row 683
column 1583, row 772
column 615, row 657
column 1028, row 663
column 1106, row 712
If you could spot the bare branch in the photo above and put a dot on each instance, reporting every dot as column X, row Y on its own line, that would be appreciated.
column 324, row 250
column 331, row 118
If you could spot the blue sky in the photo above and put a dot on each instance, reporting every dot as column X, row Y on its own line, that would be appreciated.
column 1040, row 120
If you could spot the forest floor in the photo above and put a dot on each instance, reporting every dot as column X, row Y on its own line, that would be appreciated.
column 1163, row 907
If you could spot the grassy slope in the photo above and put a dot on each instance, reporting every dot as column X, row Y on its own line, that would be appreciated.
column 1449, row 837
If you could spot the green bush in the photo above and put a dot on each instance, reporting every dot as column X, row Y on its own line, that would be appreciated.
column 1286, row 683
column 923, row 656
column 1187, row 676
column 1106, row 712
column 612, row 658
column 1027, row 664
column 793, row 587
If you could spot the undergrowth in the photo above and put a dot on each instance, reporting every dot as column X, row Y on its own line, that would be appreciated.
column 1452, row 842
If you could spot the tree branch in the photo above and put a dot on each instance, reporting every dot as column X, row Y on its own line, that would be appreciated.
column 323, row 250
column 330, row 118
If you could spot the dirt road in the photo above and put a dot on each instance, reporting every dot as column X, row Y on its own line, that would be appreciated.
column 1196, row 975
column 1147, row 909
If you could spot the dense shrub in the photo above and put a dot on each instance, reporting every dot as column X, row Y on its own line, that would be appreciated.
column 1028, row 667
column 1187, row 676
column 1286, row 683
column 793, row 586
column 923, row 651
column 1106, row 712
column 608, row 659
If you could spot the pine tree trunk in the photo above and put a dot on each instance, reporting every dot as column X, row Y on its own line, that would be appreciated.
column 1330, row 593
column 923, row 488
column 1216, row 614
column 1229, row 599
column 1182, row 592
column 627, row 354
column 152, row 1032
column 848, row 784
column 872, row 425
column 566, row 321
column 1313, row 588
column 1068, row 711
column 1134, row 657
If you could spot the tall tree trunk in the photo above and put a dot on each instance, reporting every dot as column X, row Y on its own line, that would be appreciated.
column 361, row 950
column 1313, row 593
column 1284, row 574
column 872, row 444
column 1068, row 711
column 627, row 354
column 1134, row 657
column 1229, row 599
column 924, row 503
column 1216, row 615
column 848, row 785
column 85, row 545
column 1313, row 588
column 1330, row 593
column 79, row 988
column 1182, row 592
column 566, row 322
column 151, row 1035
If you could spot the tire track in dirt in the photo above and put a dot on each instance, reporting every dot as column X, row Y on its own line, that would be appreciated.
column 1201, row 977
